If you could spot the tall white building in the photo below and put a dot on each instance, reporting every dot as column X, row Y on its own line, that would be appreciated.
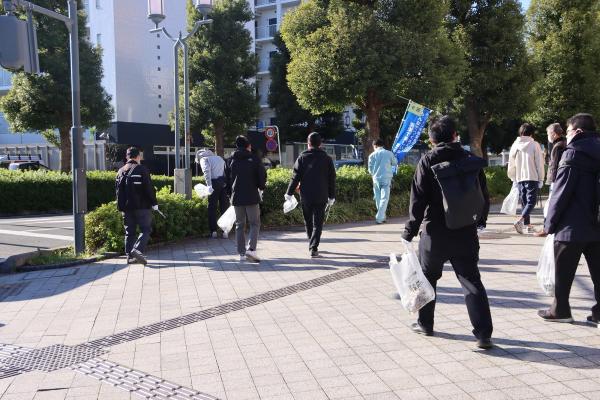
column 138, row 65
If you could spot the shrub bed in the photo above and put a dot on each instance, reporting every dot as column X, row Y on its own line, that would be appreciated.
column 51, row 191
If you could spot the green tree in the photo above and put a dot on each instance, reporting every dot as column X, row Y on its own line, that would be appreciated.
column 564, row 37
column 496, row 84
column 370, row 54
column 290, row 115
column 43, row 102
column 222, row 100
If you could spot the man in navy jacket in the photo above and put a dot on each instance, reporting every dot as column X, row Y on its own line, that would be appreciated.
column 572, row 216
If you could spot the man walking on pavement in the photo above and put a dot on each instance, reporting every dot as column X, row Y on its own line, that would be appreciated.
column 526, row 167
column 136, row 198
column 558, row 140
column 574, row 216
column 213, row 168
column 381, row 164
column 439, row 243
column 315, row 173
column 246, row 176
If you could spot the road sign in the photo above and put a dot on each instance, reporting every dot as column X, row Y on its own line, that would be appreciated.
column 271, row 145
column 270, row 132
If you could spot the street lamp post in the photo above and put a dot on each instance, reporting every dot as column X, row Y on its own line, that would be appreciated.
column 156, row 13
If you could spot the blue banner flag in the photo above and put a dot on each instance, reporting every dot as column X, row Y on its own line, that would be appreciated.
column 413, row 123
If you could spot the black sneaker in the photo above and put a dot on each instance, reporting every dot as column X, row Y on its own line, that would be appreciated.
column 314, row 253
column 420, row 329
column 129, row 260
column 139, row 257
column 546, row 315
column 592, row 319
column 485, row 344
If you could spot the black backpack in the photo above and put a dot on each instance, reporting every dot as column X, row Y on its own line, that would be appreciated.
column 463, row 199
column 127, row 196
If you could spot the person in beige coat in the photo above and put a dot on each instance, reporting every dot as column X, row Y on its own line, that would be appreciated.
column 526, row 167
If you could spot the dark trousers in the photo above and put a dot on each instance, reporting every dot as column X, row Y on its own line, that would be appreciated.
column 314, row 216
column 528, row 193
column 566, row 257
column 133, row 219
column 463, row 255
column 217, row 198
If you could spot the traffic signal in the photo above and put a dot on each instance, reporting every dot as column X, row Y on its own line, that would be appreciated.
column 18, row 47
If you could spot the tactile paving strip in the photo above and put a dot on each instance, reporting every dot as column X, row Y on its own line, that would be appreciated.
column 52, row 358
column 177, row 322
column 137, row 382
column 12, row 290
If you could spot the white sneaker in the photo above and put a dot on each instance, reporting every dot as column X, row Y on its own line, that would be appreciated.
column 224, row 235
column 242, row 257
column 214, row 235
column 252, row 256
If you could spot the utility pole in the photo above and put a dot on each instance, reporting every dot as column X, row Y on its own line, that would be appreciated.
column 78, row 169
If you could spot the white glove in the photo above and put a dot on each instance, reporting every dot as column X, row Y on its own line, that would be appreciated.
column 210, row 190
column 260, row 194
column 404, row 241
column 155, row 207
column 330, row 202
column 287, row 197
column 540, row 185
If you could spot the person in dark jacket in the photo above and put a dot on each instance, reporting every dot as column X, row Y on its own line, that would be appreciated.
column 246, row 179
column 572, row 216
column 315, row 173
column 438, row 243
column 142, row 202
column 558, row 141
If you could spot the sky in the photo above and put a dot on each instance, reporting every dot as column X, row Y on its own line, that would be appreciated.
column 525, row 4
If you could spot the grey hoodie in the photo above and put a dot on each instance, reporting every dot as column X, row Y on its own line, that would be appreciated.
column 213, row 166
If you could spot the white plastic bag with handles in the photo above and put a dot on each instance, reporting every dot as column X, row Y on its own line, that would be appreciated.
column 511, row 202
column 227, row 220
column 290, row 205
column 202, row 190
column 546, row 267
column 413, row 287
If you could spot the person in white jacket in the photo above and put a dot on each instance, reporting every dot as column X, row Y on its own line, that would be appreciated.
column 213, row 168
column 526, row 167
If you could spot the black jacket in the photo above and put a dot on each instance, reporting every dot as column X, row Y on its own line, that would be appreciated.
column 426, row 201
column 245, row 175
column 315, row 172
column 571, row 210
column 146, row 195
column 558, row 147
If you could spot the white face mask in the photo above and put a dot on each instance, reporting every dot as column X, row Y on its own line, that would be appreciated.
column 571, row 133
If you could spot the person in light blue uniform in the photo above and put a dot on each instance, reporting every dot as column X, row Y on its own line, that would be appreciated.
column 382, row 163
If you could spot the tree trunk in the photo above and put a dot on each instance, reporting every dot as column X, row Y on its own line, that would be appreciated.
column 372, row 110
column 220, row 138
column 476, row 126
column 65, row 149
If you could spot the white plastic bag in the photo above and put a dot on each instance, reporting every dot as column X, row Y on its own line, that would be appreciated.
column 510, row 203
column 202, row 190
column 414, row 289
column 546, row 268
column 547, row 204
column 290, row 204
column 227, row 220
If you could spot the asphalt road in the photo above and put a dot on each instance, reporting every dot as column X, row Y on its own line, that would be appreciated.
column 25, row 234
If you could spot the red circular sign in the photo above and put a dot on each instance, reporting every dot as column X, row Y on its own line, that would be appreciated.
column 270, row 133
column 271, row 145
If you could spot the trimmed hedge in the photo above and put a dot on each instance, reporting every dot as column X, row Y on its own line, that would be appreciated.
column 51, row 191
column 354, row 201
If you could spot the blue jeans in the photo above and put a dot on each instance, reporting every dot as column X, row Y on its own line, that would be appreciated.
column 381, row 190
column 528, row 192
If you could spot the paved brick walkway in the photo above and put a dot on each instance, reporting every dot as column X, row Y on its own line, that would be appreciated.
column 198, row 324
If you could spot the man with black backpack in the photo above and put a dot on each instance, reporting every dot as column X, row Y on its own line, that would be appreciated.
column 449, row 195
column 574, row 216
column 136, row 198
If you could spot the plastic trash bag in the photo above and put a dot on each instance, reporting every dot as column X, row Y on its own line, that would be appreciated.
column 414, row 289
column 202, row 190
column 546, row 268
column 511, row 202
column 227, row 220
column 290, row 205
column 547, row 204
